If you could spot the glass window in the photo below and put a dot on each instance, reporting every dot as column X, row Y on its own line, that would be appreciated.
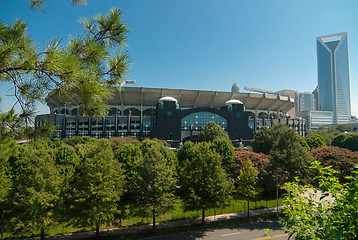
column 196, row 121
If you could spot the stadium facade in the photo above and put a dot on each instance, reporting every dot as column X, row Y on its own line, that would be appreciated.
column 174, row 115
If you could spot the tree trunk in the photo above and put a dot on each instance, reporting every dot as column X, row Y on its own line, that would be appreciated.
column 203, row 216
column 97, row 232
column 153, row 219
column 248, row 208
column 42, row 234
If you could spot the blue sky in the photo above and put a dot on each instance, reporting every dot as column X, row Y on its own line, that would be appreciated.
column 209, row 44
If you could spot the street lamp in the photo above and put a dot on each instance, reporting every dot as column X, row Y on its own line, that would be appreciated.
column 277, row 191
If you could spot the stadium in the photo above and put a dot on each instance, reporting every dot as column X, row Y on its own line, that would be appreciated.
column 174, row 115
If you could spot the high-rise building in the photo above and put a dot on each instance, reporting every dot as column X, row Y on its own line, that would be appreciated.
column 333, row 76
column 304, row 102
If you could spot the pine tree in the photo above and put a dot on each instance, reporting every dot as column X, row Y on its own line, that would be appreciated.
column 85, row 71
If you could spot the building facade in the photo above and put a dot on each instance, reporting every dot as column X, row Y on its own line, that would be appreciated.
column 174, row 115
column 333, row 76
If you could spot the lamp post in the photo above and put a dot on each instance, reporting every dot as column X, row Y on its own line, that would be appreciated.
column 277, row 212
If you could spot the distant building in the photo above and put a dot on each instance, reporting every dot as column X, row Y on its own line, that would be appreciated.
column 333, row 76
column 316, row 99
column 315, row 119
column 304, row 102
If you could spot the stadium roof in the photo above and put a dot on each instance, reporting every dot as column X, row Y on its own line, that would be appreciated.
column 189, row 98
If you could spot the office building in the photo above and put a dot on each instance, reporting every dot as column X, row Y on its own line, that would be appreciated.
column 333, row 76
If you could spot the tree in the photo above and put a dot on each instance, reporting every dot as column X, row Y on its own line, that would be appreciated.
column 127, row 154
column 203, row 182
column 152, row 184
column 315, row 141
column 97, row 187
column 36, row 189
column 351, row 142
column 246, row 184
column 85, row 71
column 339, row 140
column 212, row 131
column 263, row 141
column 332, row 216
column 224, row 147
column 289, row 155
column 340, row 159
column 260, row 162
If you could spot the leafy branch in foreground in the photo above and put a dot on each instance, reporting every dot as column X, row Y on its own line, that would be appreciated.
column 85, row 71
column 328, row 211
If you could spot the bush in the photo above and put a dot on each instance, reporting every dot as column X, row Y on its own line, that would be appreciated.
column 341, row 159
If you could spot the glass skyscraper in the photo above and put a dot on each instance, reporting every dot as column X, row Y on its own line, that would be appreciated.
column 333, row 76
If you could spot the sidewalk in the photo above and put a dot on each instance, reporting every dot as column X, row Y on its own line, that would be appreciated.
column 166, row 225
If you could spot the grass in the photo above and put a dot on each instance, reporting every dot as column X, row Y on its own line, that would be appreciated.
column 176, row 214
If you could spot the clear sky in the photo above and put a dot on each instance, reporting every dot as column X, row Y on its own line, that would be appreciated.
column 209, row 44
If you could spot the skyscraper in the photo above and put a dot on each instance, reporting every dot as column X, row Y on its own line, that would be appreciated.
column 333, row 76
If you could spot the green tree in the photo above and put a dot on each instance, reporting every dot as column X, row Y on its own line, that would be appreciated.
column 351, row 142
column 127, row 154
column 97, row 187
column 344, row 128
column 224, row 147
column 339, row 140
column 36, row 189
column 263, row 141
column 167, row 154
column 289, row 155
column 331, row 216
column 247, row 184
column 212, row 131
column 86, row 70
column 203, row 182
column 315, row 141
column 152, row 184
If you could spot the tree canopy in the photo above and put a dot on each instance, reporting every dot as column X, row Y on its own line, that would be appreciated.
column 203, row 182
column 212, row 131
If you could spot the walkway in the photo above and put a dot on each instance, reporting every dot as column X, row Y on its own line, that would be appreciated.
column 166, row 225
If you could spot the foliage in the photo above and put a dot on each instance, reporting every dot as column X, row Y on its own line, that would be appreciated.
column 212, row 131
column 85, row 71
column 327, row 133
column 344, row 128
column 224, row 147
column 315, row 141
column 263, row 141
column 342, row 160
column 259, row 160
column 203, row 182
column 339, row 140
column 351, row 142
column 167, row 154
column 331, row 216
column 97, row 186
column 36, row 188
column 288, row 155
column 304, row 143
column 153, row 183
column 247, row 184
column 186, row 153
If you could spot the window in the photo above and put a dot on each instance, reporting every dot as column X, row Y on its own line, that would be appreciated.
column 196, row 121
